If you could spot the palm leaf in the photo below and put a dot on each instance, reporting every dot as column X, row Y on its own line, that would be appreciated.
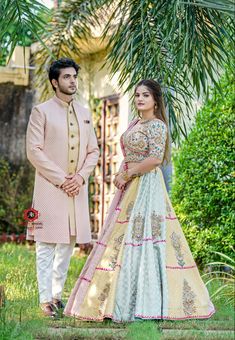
column 18, row 17
column 226, row 6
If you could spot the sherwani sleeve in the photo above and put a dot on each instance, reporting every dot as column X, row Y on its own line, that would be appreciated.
column 92, row 155
column 34, row 149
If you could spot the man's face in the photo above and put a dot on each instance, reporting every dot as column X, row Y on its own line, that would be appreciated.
column 67, row 81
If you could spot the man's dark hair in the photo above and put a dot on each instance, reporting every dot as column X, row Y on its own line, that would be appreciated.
column 57, row 65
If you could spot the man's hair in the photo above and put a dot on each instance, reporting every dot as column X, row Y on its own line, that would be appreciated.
column 57, row 65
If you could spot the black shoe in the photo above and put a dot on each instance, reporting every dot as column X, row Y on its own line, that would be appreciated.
column 59, row 304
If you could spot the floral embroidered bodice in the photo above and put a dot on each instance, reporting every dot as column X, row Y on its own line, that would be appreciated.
column 142, row 140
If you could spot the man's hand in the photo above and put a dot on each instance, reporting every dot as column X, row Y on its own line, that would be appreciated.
column 72, row 184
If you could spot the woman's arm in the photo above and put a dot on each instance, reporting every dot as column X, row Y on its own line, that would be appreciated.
column 141, row 168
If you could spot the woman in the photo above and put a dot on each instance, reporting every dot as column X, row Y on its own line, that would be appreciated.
column 141, row 267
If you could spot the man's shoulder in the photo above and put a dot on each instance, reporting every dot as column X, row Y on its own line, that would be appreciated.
column 44, row 105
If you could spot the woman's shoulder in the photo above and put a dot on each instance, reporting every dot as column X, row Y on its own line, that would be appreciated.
column 157, row 124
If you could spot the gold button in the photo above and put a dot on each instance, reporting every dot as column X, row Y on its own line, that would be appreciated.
column 72, row 136
column 72, row 147
column 71, row 161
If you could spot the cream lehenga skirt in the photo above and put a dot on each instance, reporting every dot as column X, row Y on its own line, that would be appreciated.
column 141, row 267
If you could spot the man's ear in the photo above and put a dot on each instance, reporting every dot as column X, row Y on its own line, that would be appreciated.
column 54, row 83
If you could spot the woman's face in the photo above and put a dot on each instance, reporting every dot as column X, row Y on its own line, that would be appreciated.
column 143, row 99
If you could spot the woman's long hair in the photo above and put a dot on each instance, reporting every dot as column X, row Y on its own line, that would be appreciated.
column 160, row 111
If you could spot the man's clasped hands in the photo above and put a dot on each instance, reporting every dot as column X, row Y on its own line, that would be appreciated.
column 72, row 184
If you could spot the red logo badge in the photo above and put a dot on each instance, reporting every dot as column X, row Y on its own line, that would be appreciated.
column 30, row 214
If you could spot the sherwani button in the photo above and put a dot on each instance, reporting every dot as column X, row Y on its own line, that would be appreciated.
column 72, row 136
column 72, row 147
column 71, row 161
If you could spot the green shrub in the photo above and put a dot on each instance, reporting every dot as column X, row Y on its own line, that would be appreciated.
column 203, row 190
column 16, row 190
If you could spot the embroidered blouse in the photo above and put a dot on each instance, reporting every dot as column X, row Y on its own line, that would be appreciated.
column 143, row 140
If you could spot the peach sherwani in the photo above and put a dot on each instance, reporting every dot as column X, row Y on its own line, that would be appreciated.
column 47, row 143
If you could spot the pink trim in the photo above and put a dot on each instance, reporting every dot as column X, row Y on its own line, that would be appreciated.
column 118, row 209
column 90, row 318
column 173, row 318
column 84, row 278
column 122, row 222
column 184, row 267
column 140, row 244
column 160, row 241
column 101, row 244
column 110, row 316
column 108, row 269
column 171, row 218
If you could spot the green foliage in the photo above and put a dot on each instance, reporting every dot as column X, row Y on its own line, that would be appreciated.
column 22, row 23
column 16, row 189
column 203, row 191
column 226, row 279
column 21, row 316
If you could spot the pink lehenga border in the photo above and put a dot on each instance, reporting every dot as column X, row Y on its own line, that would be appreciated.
column 144, row 317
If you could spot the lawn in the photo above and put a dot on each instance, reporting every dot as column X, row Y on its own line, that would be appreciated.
column 20, row 318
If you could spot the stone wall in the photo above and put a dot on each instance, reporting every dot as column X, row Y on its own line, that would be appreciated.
column 15, row 107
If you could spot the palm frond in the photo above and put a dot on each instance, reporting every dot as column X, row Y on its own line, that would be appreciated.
column 178, row 44
column 17, row 18
column 226, row 6
column 69, row 29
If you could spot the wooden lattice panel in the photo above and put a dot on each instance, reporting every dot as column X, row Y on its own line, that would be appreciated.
column 101, row 188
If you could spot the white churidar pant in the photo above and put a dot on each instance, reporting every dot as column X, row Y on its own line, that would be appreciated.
column 52, row 262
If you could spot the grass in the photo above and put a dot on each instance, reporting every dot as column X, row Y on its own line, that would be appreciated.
column 21, row 318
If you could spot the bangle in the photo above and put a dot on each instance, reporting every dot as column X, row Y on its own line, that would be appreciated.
column 125, row 175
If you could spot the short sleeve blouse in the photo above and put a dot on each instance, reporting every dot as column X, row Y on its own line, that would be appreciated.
column 144, row 140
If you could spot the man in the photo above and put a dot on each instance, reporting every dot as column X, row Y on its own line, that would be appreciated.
column 62, row 146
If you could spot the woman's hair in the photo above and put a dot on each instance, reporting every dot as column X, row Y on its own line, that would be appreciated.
column 160, row 112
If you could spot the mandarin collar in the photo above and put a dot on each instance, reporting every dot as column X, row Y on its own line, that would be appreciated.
column 62, row 103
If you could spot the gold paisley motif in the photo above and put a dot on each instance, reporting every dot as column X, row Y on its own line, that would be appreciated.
column 103, row 297
column 176, row 243
column 168, row 208
column 138, row 228
column 129, row 209
column 156, row 221
column 114, row 256
column 188, row 299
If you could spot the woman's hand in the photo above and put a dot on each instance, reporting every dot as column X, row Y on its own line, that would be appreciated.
column 119, row 182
